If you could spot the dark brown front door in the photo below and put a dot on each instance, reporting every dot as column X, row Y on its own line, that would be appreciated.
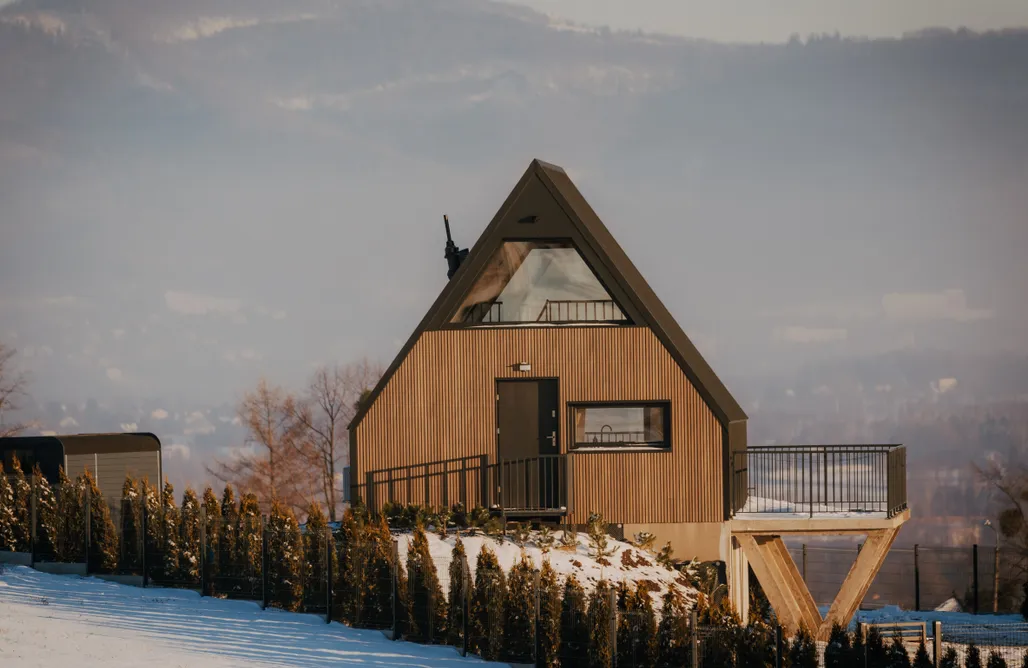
column 527, row 422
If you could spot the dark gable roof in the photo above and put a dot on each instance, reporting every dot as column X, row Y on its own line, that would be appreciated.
column 547, row 195
column 87, row 444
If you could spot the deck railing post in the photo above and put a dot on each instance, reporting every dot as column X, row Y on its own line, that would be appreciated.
column 810, row 480
column 483, row 480
column 824, row 473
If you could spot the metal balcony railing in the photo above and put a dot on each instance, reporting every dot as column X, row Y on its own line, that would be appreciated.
column 580, row 310
column 823, row 480
column 529, row 486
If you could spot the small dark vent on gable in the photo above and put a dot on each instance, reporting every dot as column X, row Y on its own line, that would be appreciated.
column 528, row 219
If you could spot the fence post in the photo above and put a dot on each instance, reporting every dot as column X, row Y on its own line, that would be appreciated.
column 203, row 551
column 613, row 627
column 466, row 609
column 396, row 591
column 694, row 639
column 32, row 523
column 995, row 580
column 264, row 564
column 142, row 556
column 779, row 649
column 86, row 494
column 535, row 626
column 974, row 568
column 936, row 642
column 329, row 554
column 917, row 579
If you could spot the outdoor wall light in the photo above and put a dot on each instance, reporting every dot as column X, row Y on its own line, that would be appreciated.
column 522, row 366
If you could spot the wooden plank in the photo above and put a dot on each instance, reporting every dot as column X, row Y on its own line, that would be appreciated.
column 441, row 404
column 859, row 579
column 785, row 590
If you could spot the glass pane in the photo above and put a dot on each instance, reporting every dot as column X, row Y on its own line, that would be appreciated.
column 619, row 425
column 538, row 281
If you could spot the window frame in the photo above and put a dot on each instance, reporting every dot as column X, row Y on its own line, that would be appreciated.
column 567, row 242
column 574, row 446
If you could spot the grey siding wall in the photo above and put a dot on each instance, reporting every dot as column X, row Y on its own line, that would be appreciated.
column 110, row 470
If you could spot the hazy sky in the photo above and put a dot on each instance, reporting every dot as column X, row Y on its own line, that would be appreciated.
column 196, row 193
column 776, row 20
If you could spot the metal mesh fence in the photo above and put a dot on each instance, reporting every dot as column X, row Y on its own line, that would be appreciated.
column 1007, row 641
column 921, row 577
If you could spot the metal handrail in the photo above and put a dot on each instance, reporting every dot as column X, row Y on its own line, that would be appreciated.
column 819, row 479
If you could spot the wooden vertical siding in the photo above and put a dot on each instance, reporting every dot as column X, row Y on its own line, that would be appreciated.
column 441, row 404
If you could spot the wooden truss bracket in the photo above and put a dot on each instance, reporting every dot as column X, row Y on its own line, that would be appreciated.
column 788, row 593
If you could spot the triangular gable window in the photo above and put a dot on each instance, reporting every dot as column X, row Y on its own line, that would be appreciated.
column 538, row 282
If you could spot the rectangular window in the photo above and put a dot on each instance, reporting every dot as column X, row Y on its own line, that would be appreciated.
column 623, row 425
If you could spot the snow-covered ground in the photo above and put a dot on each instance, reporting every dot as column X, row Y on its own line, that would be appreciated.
column 48, row 621
column 758, row 508
column 627, row 563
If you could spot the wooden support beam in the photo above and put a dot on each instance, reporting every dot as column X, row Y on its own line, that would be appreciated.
column 781, row 581
column 859, row 579
column 788, row 593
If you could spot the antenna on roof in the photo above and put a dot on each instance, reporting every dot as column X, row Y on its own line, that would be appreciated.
column 454, row 257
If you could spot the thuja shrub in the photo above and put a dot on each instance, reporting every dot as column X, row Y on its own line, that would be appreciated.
column 837, row 651
column 459, row 595
column 637, row 629
column 103, row 538
column 22, row 494
column 189, row 537
column 131, row 526
column 285, row 558
column 519, row 625
column 673, row 632
column 921, row 658
column 574, row 636
column 71, row 517
column 7, row 520
column 487, row 606
column 601, row 617
column 46, row 516
column 898, row 657
column 550, row 604
column 427, row 605
column 318, row 550
column 227, row 539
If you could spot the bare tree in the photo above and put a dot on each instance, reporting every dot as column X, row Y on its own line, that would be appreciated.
column 269, row 466
column 12, row 391
column 1011, row 486
column 322, row 415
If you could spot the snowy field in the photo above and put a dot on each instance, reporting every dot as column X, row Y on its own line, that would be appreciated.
column 51, row 621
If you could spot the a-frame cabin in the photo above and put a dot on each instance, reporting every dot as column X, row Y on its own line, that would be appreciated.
column 549, row 381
